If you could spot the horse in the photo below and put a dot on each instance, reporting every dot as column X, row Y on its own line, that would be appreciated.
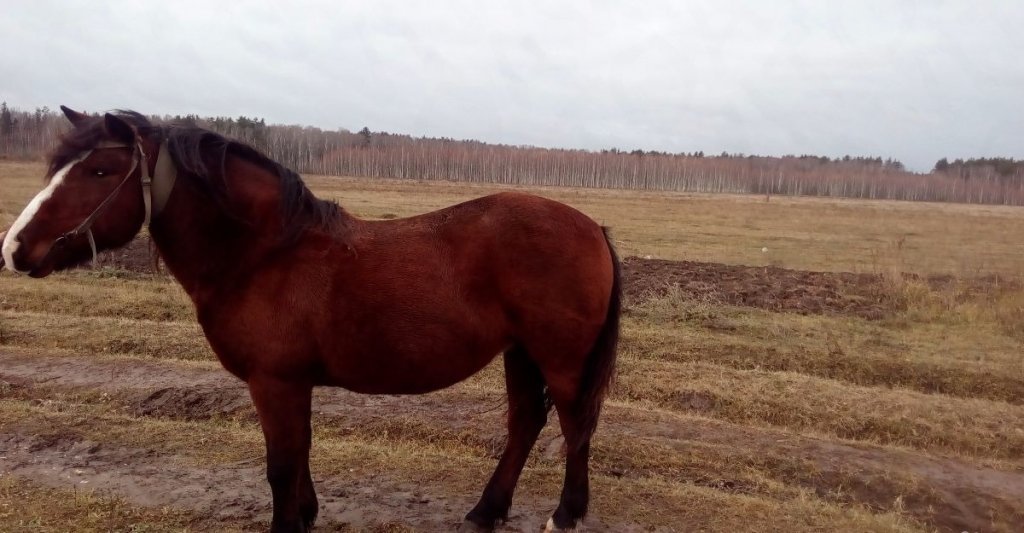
column 293, row 292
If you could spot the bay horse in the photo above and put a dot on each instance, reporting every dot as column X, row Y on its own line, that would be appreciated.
column 293, row 292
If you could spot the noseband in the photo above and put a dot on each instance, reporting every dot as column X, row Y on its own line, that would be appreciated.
column 155, row 190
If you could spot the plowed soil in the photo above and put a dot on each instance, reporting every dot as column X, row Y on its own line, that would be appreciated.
column 771, row 288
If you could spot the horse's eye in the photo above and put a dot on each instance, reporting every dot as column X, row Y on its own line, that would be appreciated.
column 99, row 173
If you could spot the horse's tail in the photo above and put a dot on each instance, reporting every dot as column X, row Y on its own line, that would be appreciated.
column 600, row 366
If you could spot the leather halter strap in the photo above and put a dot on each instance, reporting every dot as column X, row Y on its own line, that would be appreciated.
column 155, row 190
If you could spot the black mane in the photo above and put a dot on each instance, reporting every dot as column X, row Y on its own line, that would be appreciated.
column 200, row 155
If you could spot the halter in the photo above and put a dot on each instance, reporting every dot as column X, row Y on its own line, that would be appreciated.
column 155, row 190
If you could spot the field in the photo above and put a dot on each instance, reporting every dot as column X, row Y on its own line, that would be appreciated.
column 863, row 371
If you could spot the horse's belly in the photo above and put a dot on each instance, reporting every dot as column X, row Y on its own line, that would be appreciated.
column 413, row 369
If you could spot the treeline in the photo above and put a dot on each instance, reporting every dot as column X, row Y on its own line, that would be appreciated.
column 365, row 153
column 983, row 168
column 28, row 134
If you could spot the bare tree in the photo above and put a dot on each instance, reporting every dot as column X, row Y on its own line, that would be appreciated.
column 29, row 135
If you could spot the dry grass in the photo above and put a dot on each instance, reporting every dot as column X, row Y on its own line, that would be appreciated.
column 958, row 303
column 972, row 428
column 802, row 233
column 25, row 506
column 940, row 376
column 968, row 349
column 162, row 339
column 91, row 294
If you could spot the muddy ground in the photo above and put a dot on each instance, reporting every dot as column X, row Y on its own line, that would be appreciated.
column 959, row 497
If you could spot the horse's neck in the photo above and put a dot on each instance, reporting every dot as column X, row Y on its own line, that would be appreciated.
column 205, row 248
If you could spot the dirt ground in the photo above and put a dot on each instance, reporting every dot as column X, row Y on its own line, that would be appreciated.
column 960, row 498
column 771, row 288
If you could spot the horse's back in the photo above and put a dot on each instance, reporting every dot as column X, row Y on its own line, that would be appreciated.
column 520, row 248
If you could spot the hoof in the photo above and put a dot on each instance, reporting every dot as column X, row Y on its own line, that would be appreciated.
column 550, row 527
column 468, row 526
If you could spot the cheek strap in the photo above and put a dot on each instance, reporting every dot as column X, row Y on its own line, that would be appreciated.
column 138, row 156
column 156, row 190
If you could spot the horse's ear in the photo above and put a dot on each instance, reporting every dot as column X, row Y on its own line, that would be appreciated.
column 119, row 129
column 75, row 117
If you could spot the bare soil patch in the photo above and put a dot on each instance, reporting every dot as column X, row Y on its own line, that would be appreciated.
column 785, row 290
column 139, row 256
column 771, row 288
column 237, row 491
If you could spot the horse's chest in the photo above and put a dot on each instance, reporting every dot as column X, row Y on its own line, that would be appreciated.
column 250, row 341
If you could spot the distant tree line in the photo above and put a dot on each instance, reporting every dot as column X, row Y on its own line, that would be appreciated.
column 983, row 168
column 28, row 135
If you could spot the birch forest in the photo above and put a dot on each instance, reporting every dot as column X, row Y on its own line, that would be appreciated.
column 365, row 153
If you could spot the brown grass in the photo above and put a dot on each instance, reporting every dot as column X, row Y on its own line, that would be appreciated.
column 26, row 506
column 802, row 233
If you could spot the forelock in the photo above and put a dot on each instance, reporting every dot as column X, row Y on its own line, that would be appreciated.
column 86, row 135
column 74, row 143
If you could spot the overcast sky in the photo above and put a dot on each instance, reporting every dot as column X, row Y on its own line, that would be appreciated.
column 910, row 80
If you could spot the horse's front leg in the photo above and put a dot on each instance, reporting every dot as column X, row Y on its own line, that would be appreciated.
column 284, row 411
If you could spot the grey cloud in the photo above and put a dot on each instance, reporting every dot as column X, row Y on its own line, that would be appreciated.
column 912, row 80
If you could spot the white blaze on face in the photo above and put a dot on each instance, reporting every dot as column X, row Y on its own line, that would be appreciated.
column 10, row 244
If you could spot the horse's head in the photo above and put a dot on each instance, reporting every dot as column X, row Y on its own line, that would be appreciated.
column 92, row 200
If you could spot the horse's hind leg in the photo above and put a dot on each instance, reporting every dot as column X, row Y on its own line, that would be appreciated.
column 527, row 412
column 572, row 506
column 284, row 411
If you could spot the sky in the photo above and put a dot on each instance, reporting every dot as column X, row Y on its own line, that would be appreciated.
column 911, row 80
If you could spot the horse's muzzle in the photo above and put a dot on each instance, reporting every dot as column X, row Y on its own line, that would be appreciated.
column 55, row 258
